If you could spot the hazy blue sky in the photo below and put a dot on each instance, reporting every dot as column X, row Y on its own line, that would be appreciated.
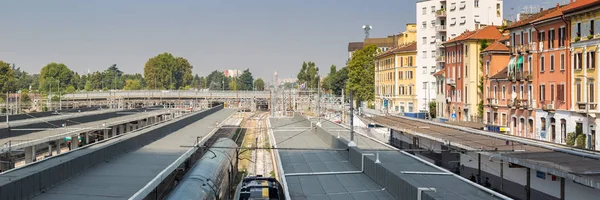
column 263, row 35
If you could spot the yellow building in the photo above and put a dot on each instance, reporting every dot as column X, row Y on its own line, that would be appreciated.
column 395, row 79
column 384, row 44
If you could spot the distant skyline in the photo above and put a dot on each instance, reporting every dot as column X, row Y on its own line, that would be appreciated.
column 265, row 35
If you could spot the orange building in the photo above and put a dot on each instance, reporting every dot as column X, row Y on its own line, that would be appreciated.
column 496, row 85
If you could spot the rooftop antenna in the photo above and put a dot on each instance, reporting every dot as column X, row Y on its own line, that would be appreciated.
column 367, row 28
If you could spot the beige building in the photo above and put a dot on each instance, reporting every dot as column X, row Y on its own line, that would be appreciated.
column 395, row 79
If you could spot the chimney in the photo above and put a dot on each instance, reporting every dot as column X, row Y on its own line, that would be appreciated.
column 557, row 6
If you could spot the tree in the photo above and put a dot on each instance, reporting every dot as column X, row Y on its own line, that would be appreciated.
column 22, row 79
column 55, row 75
column 133, row 84
column 196, row 82
column 166, row 71
column 111, row 78
column 245, row 81
column 327, row 81
column 483, row 44
column 361, row 74
column 309, row 75
column 25, row 96
column 70, row 89
column 432, row 109
column 7, row 79
column 259, row 84
column 216, row 79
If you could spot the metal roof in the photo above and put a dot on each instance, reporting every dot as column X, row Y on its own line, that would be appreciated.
column 123, row 176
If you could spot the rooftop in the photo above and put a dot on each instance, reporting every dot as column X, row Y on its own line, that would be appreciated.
column 503, row 74
column 353, row 46
column 497, row 46
column 488, row 32
column 410, row 47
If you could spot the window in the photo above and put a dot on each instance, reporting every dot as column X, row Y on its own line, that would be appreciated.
column 498, row 13
column 458, row 73
column 542, row 64
column 433, row 86
column 521, row 90
column 425, row 85
column 578, row 61
column 578, row 33
column 514, row 91
column 424, row 25
column 578, row 90
column 551, row 39
column 424, row 54
column 543, row 124
column 424, row 40
column 433, row 54
column 410, row 61
column 551, row 63
column 424, row 10
column 466, row 71
column 562, row 62
column 487, row 67
column 432, row 69
column 563, row 130
column 592, row 27
column 542, row 93
column 522, row 38
column 551, row 92
column 466, row 50
column 530, row 64
column 424, row 70
column 463, row 20
column 592, row 60
column 466, row 95
column 476, row 3
column 504, row 121
column 410, row 90
column 561, row 37
column 560, row 92
column 591, row 92
column 432, row 9
column 503, row 92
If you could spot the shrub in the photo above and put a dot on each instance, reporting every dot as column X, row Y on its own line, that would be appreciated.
column 570, row 140
column 580, row 143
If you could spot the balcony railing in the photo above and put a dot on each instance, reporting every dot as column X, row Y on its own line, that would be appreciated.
column 440, row 28
column 528, row 77
column 549, row 106
column 451, row 81
column 525, row 104
column 441, row 59
column 440, row 13
column 493, row 102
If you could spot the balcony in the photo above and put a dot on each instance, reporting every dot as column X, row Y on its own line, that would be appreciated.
column 440, row 28
column 532, row 47
column 528, row 77
column 514, row 50
column 512, row 104
column 440, row 13
column 441, row 59
column 525, row 104
column 451, row 81
column 440, row 44
column 524, row 48
column 493, row 102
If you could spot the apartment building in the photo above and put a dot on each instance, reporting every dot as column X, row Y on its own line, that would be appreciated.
column 497, row 86
column 582, row 77
column 395, row 79
column 463, row 72
column 552, row 76
column 384, row 44
column 438, row 21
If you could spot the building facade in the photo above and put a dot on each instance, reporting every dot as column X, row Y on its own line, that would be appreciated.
column 463, row 72
column 584, row 39
column 439, row 21
column 496, row 86
column 394, row 79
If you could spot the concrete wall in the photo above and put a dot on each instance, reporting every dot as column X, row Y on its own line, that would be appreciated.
column 25, row 187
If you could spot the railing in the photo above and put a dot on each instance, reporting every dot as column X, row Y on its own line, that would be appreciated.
column 528, row 76
column 145, row 94
column 513, row 49
column 441, row 59
column 532, row 46
column 493, row 102
column 440, row 28
column 525, row 103
column 525, row 48
column 450, row 81
column 440, row 13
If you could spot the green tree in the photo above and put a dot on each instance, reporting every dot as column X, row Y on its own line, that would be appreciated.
column 22, row 79
column 432, row 109
column 483, row 44
column 196, row 82
column 202, row 82
column 55, row 75
column 338, row 82
column 133, row 84
column 75, row 81
column 70, row 89
column 361, row 74
column 309, row 75
column 327, row 81
column 111, row 78
column 35, row 84
column 580, row 141
column 259, row 84
column 25, row 96
column 245, row 81
column 216, row 79
column 570, row 140
column 7, row 79
column 166, row 71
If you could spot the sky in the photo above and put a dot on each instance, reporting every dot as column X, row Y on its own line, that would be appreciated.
column 262, row 35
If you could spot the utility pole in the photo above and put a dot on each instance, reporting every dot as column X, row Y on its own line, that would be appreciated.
column 351, row 143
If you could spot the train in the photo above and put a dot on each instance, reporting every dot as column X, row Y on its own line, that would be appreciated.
column 259, row 188
column 212, row 176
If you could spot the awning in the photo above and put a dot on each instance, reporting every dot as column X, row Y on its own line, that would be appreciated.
column 511, row 63
column 519, row 63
